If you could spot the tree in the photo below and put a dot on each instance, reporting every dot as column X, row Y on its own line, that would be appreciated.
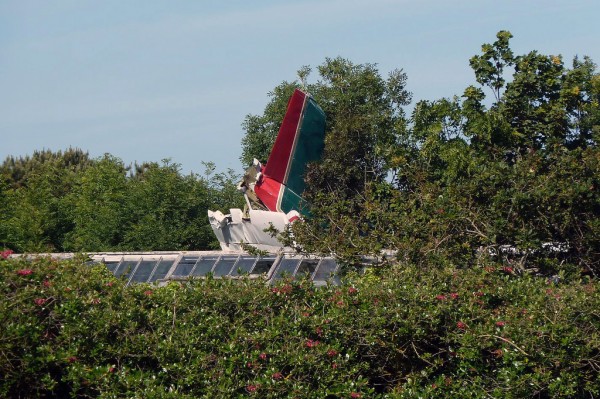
column 57, row 201
column 167, row 211
column 99, row 202
column 465, row 176
column 365, row 120
column 36, row 216
column 489, row 66
column 223, row 192
column 16, row 170
column 519, row 173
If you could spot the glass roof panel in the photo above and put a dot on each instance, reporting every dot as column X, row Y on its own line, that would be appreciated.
column 111, row 266
column 205, row 265
column 161, row 269
column 287, row 266
column 307, row 267
column 263, row 265
column 185, row 266
column 243, row 265
column 325, row 270
column 224, row 265
column 335, row 279
column 125, row 268
column 143, row 271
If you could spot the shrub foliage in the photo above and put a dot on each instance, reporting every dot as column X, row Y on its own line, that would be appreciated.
column 57, row 202
column 70, row 329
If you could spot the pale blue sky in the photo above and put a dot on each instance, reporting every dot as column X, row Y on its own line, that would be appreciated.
column 147, row 80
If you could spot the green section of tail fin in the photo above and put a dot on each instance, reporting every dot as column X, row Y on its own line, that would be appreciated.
column 308, row 146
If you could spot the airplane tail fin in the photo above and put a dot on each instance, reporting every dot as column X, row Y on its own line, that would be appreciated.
column 300, row 140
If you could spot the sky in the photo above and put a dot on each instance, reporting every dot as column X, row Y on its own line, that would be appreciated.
column 150, row 80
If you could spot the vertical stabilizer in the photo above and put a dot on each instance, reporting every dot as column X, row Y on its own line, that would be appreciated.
column 300, row 140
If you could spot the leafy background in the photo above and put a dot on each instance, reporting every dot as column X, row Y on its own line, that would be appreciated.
column 489, row 202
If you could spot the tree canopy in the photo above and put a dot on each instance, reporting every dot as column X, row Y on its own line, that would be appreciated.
column 66, row 201
column 517, row 171
column 489, row 201
column 509, row 169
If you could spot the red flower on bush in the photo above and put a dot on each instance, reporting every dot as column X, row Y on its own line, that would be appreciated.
column 508, row 270
column 71, row 359
column 148, row 292
column 352, row 290
column 39, row 301
column 286, row 289
column 311, row 344
column 109, row 284
column 461, row 326
column 277, row 376
column 500, row 324
column 478, row 293
column 24, row 272
column 454, row 295
column 319, row 331
column 6, row 253
column 440, row 297
column 334, row 366
column 355, row 395
column 95, row 301
column 46, row 283
column 251, row 388
column 331, row 353
column 262, row 356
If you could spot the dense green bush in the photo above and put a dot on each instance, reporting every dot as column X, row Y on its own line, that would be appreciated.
column 56, row 202
column 70, row 329
column 464, row 176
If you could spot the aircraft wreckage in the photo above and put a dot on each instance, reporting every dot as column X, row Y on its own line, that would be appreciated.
column 273, row 194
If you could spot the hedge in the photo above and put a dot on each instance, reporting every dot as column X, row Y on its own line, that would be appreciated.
column 71, row 329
